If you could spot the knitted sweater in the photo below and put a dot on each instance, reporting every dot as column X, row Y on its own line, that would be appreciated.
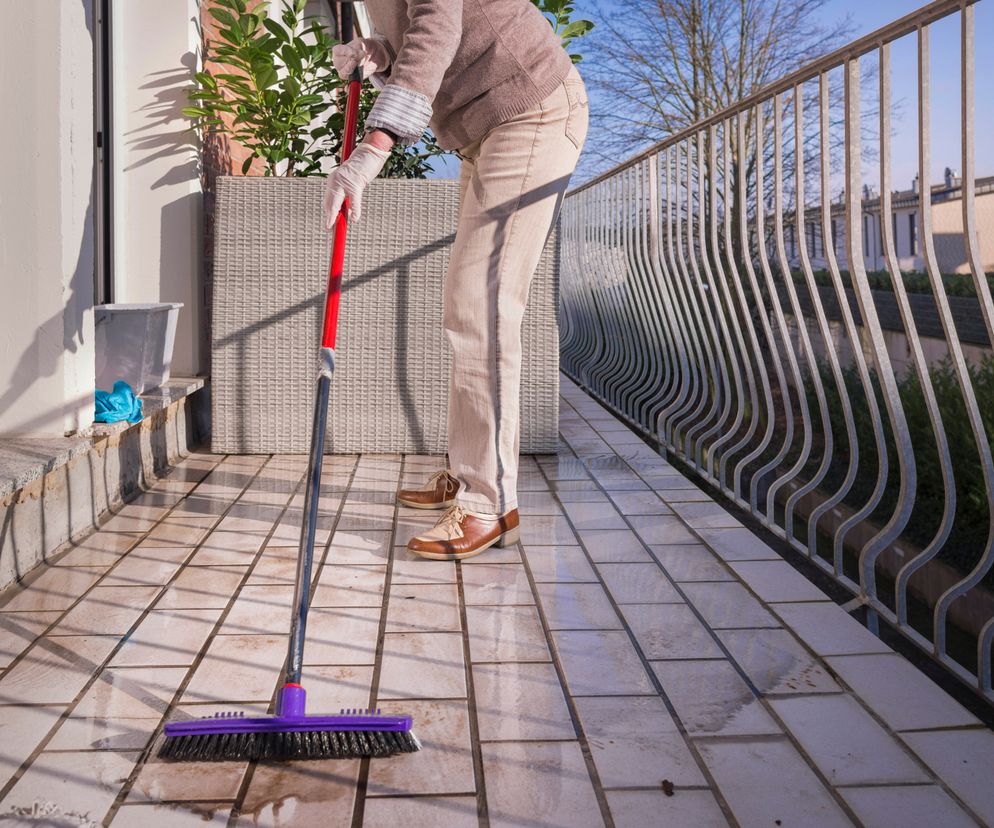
column 461, row 66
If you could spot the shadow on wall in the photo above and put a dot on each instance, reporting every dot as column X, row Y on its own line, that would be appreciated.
column 159, row 137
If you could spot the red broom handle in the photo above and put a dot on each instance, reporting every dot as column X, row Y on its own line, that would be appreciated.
column 334, row 292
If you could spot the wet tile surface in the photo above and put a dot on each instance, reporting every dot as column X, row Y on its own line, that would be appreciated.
column 638, row 638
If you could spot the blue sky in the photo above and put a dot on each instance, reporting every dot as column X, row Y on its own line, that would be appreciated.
column 867, row 15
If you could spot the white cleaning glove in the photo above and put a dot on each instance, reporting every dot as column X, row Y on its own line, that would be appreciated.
column 348, row 180
column 368, row 53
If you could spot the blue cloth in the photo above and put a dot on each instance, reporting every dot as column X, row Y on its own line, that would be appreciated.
column 119, row 404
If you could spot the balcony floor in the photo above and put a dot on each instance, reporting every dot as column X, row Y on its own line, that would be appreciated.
column 640, row 658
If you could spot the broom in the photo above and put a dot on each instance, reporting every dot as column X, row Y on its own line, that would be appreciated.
column 291, row 734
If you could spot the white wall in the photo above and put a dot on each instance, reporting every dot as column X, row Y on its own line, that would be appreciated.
column 46, row 222
column 158, row 211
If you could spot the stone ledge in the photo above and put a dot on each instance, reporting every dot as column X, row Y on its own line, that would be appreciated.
column 25, row 459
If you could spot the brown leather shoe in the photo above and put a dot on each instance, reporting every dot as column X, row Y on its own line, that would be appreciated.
column 460, row 534
column 438, row 493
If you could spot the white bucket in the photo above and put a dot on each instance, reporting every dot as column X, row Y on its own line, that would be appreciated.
column 134, row 343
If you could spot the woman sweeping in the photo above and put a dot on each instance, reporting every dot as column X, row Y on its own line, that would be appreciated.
column 492, row 81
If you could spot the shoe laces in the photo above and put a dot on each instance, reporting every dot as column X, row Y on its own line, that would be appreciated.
column 435, row 477
column 452, row 517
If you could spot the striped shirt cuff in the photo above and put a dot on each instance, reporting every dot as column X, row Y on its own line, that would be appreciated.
column 402, row 111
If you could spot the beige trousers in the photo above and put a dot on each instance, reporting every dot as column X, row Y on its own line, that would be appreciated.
column 512, row 184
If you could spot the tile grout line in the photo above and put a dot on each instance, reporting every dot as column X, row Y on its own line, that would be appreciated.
column 814, row 656
column 482, row 805
column 6, row 788
column 362, row 778
column 246, row 780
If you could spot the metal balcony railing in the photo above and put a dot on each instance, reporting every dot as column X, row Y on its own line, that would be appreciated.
column 691, row 306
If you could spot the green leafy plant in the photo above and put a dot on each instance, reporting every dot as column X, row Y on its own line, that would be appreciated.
column 283, row 99
column 560, row 13
column 278, row 90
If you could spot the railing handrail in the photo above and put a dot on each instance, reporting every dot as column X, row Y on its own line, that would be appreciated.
column 935, row 10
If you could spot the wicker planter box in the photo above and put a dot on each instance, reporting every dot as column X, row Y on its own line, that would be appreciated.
column 390, row 390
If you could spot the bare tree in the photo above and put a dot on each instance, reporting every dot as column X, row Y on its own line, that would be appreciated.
column 658, row 66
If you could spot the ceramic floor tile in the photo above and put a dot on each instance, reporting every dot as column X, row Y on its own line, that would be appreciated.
column 360, row 547
column 442, row 811
column 595, row 515
column 601, row 663
column 180, row 530
column 245, row 518
column 342, row 635
column 148, row 565
column 228, row 549
column 727, row 708
column 907, row 806
column 131, row 693
column 828, row 629
column 84, row 783
column 350, row 586
column 661, row 529
column 315, row 792
column 331, row 688
column 18, row 630
column 506, row 634
column 537, row 503
column 639, row 503
column 423, row 608
column 728, row 606
column 520, row 701
column 287, row 531
column 238, row 668
column 570, row 606
column 203, row 587
column 277, row 565
column 49, row 588
column 408, row 568
column 686, row 809
column 547, row 530
column 21, row 730
column 107, row 610
column 777, row 581
column 706, row 516
column 904, row 697
column 693, row 562
column 173, row 815
column 539, row 784
column 635, row 743
column 260, row 609
column 846, row 743
column 55, row 669
column 668, row 631
column 99, row 549
column 161, row 780
column 422, row 666
column 768, row 783
column 614, row 546
column 636, row 583
column 738, row 545
column 134, row 519
column 559, row 563
column 776, row 663
column 444, row 765
column 497, row 584
column 86, row 733
column 964, row 760
column 167, row 638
